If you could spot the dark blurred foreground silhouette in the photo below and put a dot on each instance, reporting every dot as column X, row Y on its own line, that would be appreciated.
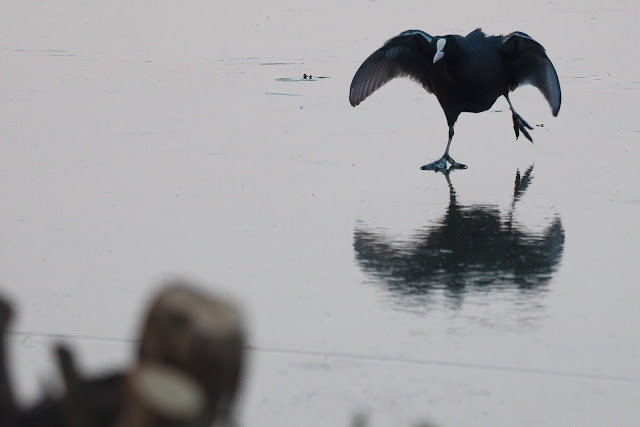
column 191, row 357
column 190, row 362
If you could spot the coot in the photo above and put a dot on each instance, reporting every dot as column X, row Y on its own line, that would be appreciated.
column 466, row 74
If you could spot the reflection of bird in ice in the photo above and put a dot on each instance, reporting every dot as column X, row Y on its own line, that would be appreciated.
column 466, row 74
column 470, row 246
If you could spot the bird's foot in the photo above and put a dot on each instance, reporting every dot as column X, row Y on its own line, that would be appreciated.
column 454, row 164
column 441, row 164
column 437, row 166
column 520, row 124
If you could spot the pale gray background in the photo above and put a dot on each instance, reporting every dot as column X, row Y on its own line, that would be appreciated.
column 140, row 140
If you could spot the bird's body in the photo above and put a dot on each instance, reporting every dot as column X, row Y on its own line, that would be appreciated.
column 466, row 74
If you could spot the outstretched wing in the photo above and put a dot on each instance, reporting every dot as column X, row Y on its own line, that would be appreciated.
column 409, row 54
column 527, row 63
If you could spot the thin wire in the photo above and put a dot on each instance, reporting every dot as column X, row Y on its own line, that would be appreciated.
column 445, row 363
column 370, row 358
column 70, row 337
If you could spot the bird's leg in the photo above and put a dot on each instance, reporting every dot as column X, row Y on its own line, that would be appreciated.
column 441, row 164
column 519, row 124
column 454, row 164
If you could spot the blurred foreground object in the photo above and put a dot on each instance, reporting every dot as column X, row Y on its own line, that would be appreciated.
column 190, row 361
column 201, row 336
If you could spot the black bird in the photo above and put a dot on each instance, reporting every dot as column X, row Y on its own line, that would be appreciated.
column 466, row 74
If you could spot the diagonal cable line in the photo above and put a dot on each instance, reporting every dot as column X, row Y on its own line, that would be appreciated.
column 453, row 364
column 370, row 358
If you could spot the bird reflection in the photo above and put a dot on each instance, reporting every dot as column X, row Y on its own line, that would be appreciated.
column 471, row 248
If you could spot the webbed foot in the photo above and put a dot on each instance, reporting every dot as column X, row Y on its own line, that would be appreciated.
column 454, row 164
column 441, row 164
column 438, row 165
column 520, row 124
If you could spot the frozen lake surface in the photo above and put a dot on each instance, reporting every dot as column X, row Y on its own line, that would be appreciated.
column 143, row 140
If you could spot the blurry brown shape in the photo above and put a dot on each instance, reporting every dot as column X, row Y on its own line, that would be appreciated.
column 161, row 396
column 190, row 362
column 202, row 336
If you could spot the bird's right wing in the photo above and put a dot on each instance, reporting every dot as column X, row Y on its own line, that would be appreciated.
column 409, row 54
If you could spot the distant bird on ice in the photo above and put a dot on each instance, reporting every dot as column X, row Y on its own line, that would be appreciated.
column 466, row 74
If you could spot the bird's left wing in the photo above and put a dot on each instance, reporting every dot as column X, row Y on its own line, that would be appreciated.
column 409, row 54
column 528, row 63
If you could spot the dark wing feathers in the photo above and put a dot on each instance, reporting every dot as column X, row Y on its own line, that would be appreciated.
column 406, row 55
column 528, row 63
